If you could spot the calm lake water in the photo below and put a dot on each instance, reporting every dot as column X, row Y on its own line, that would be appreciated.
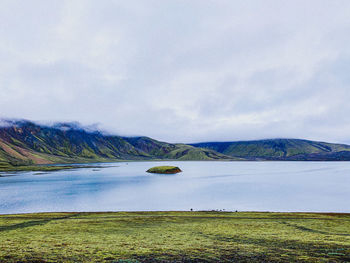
column 242, row 186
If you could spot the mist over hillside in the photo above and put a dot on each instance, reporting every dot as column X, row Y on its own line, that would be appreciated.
column 24, row 142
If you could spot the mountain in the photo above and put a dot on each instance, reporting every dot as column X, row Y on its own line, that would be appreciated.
column 28, row 143
column 281, row 149
column 25, row 143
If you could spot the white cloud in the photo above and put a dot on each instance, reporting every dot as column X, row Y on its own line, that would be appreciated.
column 180, row 71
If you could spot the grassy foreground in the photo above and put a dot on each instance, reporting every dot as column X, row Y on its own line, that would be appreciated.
column 175, row 237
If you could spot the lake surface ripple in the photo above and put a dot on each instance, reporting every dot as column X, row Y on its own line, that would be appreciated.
column 229, row 186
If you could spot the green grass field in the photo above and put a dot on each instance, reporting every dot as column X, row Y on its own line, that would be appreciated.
column 175, row 237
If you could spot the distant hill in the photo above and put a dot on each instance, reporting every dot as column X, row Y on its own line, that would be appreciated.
column 281, row 149
column 26, row 143
column 163, row 150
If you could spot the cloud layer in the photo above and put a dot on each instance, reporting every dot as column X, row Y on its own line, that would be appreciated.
column 180, row 71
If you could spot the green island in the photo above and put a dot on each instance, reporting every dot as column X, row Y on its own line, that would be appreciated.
column 164, row 170
column 175, row 237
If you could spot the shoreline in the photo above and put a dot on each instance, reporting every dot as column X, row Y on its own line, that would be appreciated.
column 218, row 212
column 45, row 168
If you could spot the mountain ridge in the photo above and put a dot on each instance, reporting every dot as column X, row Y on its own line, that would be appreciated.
column 24, row 142
column 28, row 143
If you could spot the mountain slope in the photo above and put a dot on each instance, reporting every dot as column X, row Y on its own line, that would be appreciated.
column 24, row 143
column 280, row 149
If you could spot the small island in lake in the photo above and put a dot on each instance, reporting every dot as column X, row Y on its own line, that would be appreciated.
column 164, row 170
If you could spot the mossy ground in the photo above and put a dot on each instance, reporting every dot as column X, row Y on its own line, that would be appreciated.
column 175, row 237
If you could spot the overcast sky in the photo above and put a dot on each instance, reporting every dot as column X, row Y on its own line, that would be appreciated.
column 180, row 71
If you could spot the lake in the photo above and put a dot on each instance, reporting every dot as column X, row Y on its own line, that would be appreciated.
column 229, row 186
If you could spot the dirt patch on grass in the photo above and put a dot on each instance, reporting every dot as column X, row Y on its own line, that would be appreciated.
column 36, row 159
column 11, row 151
